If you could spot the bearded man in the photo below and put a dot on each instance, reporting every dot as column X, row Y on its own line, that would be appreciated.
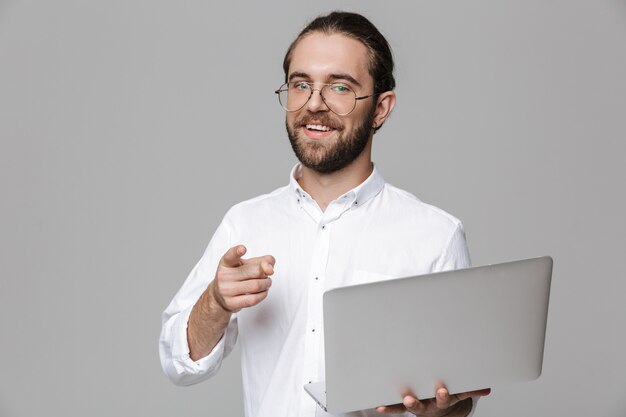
column 262, row 276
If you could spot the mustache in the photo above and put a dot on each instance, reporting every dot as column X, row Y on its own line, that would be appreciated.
column 318, row 118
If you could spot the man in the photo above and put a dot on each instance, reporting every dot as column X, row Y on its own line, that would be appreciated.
column 336, row 223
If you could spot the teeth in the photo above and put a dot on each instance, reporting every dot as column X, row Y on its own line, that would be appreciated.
column 318, row 127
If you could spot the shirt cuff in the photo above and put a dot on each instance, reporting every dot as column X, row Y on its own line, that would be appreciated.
column 180, row 350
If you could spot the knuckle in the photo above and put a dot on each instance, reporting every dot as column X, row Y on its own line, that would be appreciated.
column 224, row 274
column 219, row 274
column 255, row 270
column 254, row 286
column 249, row 271
column 226, row 290
column 262, row 285
column 249, row 301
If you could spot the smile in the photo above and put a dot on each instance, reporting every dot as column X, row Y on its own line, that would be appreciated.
column 319, row 128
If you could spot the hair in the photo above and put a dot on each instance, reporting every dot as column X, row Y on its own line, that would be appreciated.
column 361, row 29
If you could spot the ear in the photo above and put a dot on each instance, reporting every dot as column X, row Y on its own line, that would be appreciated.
column 384, row 106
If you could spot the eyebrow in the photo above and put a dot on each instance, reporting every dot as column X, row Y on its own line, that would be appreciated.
column 298, row 75
column 333, row 77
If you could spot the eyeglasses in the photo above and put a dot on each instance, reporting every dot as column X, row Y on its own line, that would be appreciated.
column 338, row 97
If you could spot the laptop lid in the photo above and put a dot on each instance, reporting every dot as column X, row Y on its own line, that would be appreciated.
column 469, row 328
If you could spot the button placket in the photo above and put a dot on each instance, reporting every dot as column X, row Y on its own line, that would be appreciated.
column 313, row 327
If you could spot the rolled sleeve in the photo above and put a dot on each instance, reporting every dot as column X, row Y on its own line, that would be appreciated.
column 174, row 351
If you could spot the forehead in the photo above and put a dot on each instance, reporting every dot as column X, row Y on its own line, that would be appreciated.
column 320, row 56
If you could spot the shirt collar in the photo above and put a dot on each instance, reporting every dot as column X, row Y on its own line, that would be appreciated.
column 356, row 196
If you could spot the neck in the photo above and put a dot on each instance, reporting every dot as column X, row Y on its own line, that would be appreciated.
column 326, row 187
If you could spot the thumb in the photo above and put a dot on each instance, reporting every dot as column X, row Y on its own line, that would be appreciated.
column 232, row 257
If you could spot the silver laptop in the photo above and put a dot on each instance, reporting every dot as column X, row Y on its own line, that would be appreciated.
column 469, row 328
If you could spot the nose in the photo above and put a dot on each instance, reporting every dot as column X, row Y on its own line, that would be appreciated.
column 316, row 102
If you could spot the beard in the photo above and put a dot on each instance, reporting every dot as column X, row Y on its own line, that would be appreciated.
column 327, row 158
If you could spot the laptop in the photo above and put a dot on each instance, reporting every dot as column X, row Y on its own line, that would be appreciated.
column 472, row 328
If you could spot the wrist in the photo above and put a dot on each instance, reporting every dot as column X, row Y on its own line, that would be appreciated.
column 206, row 325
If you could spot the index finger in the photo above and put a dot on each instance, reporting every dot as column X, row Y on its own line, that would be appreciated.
column 266, row 263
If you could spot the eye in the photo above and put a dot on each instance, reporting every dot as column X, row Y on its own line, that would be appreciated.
column 301, row 86
column 340, row 89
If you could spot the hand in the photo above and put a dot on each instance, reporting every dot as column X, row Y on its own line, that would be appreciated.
column 239, row 282
column 442, row 405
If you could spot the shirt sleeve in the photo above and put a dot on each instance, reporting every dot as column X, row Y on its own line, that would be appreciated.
column 173, row 344
column 456, row 254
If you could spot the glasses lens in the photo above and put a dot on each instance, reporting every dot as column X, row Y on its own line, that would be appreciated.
column 293, row 96
column 339, row 98
column 283, row 97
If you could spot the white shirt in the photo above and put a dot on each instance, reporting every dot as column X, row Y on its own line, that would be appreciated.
column 373, row 232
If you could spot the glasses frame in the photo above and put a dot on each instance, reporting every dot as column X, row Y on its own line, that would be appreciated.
column 285, row 87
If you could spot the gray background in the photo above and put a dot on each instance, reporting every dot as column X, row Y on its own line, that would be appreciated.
column 127, row 129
